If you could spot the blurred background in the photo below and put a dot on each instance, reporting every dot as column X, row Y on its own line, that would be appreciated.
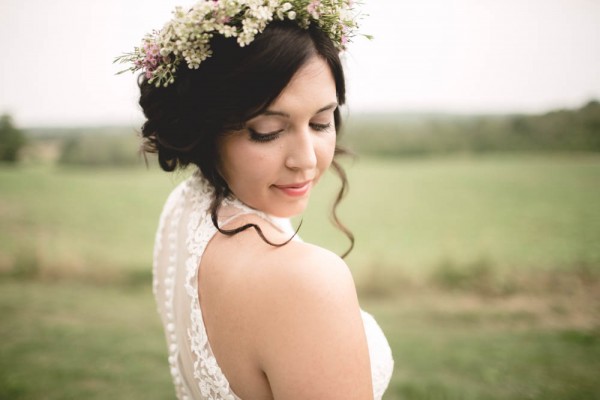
column 474, row 198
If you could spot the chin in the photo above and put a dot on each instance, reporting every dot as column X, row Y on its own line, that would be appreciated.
column 289, row 210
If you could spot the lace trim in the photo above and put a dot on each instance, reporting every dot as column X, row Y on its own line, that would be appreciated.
column 382, row 362
column 211, row 381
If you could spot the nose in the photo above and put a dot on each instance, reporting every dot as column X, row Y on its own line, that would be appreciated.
column 301, row 150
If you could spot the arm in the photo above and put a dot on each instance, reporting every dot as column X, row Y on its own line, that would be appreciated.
column 311, row 342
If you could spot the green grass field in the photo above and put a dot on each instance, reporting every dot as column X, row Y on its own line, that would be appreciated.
column 483, row 272
column 511, row 212
column 411, row 218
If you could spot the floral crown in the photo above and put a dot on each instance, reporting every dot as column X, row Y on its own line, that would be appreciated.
column 187, row 36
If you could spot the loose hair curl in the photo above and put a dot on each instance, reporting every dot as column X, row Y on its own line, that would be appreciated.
column 184, row 119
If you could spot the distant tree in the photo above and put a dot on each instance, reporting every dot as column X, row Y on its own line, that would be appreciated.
column 11, row 139
column 100, row 150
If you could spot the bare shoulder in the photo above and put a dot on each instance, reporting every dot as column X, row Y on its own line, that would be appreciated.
column 308, row 269
column 296, row 271
column 312, row 342
column 296, row 274
column 302, row 278
column 296, row 308
column 297, row 267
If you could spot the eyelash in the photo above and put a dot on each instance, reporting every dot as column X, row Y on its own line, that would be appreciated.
column 321, row 127
column 263, row 137
column 268, row 137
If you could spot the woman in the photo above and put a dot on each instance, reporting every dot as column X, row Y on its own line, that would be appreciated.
column 249, row 92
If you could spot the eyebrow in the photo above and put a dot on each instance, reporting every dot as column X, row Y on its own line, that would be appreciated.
column 284, row 114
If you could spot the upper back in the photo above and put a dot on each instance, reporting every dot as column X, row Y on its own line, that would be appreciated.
column 280, row 319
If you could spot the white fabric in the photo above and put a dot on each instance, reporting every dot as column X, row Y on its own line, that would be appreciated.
column 185, row 228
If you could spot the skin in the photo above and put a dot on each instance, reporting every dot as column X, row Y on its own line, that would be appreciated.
column 283, row 322
column 292, row 143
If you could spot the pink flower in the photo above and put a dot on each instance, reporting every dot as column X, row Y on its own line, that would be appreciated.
column 151, row 49
column 313, row 7
column 344, row 38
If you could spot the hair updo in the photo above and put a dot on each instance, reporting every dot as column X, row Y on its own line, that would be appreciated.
column 236, row 84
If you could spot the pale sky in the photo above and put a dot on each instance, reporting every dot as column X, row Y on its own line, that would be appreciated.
column 464, row 56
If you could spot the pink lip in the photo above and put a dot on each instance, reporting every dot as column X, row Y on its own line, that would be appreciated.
column 295, row 189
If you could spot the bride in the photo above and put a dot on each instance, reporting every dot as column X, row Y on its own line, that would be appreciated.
column 248, row 91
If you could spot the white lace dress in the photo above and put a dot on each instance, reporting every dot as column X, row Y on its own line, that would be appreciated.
column 184, row 231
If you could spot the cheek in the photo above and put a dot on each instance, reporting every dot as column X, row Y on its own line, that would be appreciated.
column 243, row 163
column 326, row 151
column 233, row 156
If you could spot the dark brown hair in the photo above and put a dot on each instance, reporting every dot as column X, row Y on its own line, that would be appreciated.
column 184, row 119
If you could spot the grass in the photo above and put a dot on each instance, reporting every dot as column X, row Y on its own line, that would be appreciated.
column 70, row 340
column 460, row 346
column 412, row 218
column 483, row 272
column 86, row 222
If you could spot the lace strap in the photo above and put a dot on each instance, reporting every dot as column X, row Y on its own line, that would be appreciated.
column 209, row 377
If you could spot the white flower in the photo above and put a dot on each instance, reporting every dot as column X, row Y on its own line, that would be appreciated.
column 227, row 31
column 187, row 36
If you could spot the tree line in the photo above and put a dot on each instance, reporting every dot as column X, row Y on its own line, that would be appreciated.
column 415, row 135
column 395, row 135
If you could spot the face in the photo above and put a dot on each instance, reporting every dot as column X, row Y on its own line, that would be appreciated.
column 273, row 164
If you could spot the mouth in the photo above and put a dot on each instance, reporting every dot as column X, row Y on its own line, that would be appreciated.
column 295, row 189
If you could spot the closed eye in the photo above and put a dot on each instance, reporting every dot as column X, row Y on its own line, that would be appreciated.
column 263, row 137
column 320, row 127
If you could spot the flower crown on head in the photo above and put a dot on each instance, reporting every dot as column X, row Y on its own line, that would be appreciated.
column 187, row 36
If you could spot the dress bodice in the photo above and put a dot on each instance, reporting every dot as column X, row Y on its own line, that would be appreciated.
column 185, row 228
